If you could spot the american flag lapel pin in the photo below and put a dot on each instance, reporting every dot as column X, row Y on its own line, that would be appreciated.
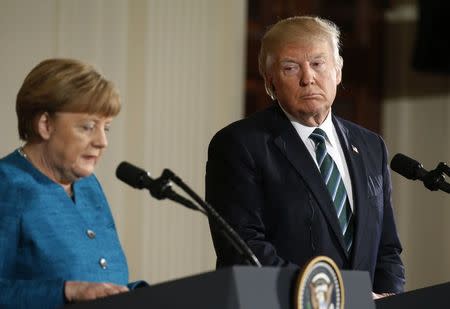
column 355, row 149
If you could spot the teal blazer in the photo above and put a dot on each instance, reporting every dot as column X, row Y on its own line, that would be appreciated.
column 47, row 238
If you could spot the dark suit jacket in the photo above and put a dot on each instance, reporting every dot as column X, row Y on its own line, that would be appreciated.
column 263, row 181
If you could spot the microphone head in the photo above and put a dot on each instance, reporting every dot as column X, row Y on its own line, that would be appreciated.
column 132, row 175
column 407, row 167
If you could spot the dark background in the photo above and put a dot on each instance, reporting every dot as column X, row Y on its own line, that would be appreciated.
column 362, row 27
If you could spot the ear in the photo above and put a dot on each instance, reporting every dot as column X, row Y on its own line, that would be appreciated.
column 270, row 88
column 338, row 76
column 44, row 126
column 268, row 80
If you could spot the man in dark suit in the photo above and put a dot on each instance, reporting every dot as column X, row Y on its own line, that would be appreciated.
column 294, row 180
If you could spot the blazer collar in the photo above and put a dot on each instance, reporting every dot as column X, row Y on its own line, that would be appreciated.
column 352, row 147
column 291, row 146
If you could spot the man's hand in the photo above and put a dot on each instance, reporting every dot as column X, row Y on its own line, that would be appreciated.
column 377, row 296
column 76, row 291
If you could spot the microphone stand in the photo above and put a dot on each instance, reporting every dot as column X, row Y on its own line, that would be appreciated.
column 161, row 188
column 435, row 179
column 211, row 213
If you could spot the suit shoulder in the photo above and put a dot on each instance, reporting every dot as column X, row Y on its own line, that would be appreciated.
column 369, row 142
column 358, row 130
column 12, row 170
column 257, row 124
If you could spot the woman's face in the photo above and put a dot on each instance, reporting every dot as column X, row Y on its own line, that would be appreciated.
column 75, row 143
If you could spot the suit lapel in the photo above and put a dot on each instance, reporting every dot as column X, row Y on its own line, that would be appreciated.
column 293, row 148
column 355, row 162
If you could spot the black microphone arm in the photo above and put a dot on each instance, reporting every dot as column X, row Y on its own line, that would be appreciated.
column 433, row 180
column 161, row 188
column 228, row 231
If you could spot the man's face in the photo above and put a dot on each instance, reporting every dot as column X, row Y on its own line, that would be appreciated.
column 304, row 78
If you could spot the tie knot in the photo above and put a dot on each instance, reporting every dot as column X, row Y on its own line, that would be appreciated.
column 318, row 136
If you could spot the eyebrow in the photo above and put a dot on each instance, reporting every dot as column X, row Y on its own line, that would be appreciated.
column 96, row 119
column 287, row 61
column 322, row 55
column 314, row 57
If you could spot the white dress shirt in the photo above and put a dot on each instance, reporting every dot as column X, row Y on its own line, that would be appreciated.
column 333, row 145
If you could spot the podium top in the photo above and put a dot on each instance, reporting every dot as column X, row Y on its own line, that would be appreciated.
column 230, row 288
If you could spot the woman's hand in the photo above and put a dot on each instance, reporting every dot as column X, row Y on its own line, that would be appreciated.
column 76, row 291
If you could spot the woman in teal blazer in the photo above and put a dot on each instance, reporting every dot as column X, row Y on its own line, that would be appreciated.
column 58, row 241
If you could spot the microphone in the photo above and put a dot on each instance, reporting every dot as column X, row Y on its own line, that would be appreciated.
column 433, row 180
column 407, row 167
column 134, row 176
column 159, row 188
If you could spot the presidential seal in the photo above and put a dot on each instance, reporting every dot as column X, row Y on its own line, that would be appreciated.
column 320, row 285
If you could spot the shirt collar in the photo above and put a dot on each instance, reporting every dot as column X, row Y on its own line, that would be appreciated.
column 305, row 131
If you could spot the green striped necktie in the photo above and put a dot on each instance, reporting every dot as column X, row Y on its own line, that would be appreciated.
column 335, row 185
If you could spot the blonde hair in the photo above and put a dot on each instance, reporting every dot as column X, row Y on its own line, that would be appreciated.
column 293, row 30
column 63, row 85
